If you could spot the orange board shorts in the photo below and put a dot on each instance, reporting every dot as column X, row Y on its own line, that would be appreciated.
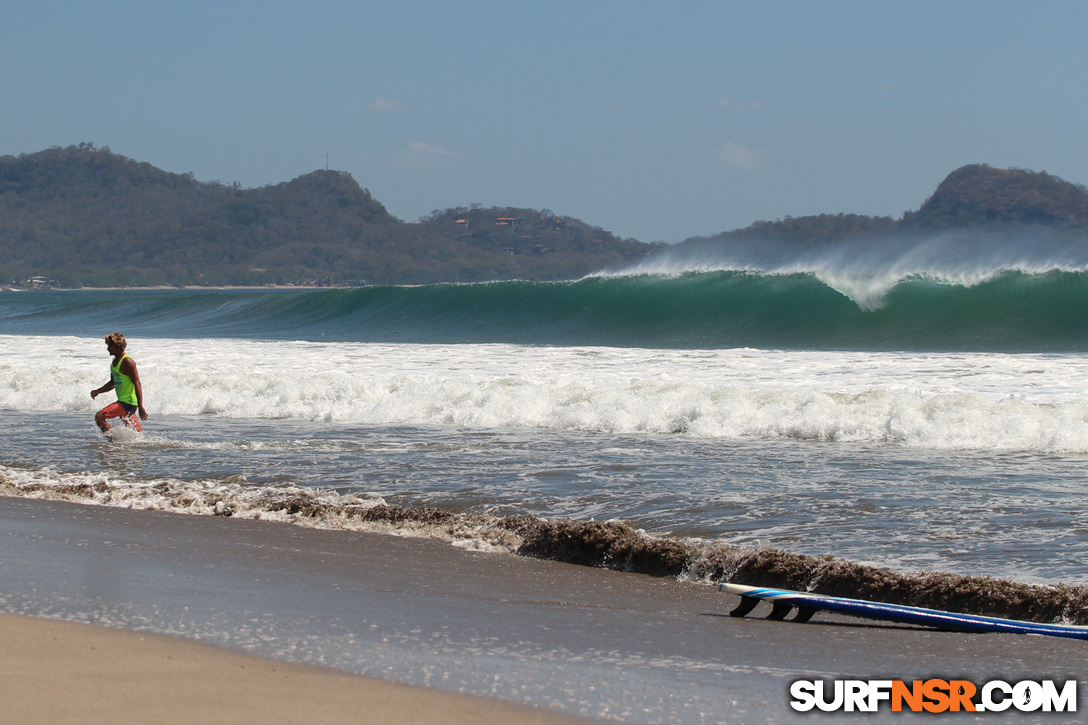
column 118, row 410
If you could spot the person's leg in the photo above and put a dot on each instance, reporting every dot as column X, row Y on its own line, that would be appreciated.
column 114, row 410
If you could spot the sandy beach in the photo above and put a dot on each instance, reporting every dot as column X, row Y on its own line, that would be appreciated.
column 65, row 672
column 567, row 640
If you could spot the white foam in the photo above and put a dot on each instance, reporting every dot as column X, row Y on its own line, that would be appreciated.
column 233, row 496
column 1030, row 402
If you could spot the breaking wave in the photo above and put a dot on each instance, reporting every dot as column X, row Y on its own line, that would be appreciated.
column 797, row 306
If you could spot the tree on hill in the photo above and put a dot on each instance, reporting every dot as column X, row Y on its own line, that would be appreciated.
column 817, row 230
column 527, row 232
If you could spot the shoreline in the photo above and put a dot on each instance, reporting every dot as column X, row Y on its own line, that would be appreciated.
column 575, row 640
column 83, row 673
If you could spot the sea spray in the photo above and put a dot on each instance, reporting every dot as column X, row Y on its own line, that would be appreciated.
column 866, row 268
column 968, row 401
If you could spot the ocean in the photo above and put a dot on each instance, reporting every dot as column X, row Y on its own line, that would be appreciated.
column 877, row 428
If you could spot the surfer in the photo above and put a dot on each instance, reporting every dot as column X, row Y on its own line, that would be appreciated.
column 125, row 379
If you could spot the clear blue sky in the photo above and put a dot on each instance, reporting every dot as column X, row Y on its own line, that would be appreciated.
column 654, row 120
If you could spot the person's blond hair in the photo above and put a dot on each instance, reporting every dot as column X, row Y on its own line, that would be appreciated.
column 117, row 339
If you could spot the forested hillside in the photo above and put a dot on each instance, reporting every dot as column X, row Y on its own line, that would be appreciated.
column 976, row 197
column 980, row 196
column 83, row 216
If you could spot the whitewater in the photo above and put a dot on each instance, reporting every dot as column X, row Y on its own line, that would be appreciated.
column 1030, row 403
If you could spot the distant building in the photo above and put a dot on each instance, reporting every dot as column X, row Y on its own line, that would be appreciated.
column 38, row 282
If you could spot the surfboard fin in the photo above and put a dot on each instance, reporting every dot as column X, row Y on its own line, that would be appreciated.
column 779, row 610
column 746, row 605
column 804, row 614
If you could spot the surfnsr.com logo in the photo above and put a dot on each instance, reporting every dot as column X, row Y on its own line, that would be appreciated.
column 933, row 695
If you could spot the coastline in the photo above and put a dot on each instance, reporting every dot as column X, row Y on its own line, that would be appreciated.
column 67, row 672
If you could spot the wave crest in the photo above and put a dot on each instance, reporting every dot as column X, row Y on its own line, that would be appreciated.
column 866, row 269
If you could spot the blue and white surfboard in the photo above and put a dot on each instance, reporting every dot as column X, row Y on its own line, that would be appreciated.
column 784, row 600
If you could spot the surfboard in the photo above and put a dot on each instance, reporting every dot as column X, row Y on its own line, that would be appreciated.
column 784, row 600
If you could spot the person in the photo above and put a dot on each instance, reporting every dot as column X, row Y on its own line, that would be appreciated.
column 125, row 379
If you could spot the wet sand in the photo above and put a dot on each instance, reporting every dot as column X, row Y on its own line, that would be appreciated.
column 567, row 639
column 64, row 672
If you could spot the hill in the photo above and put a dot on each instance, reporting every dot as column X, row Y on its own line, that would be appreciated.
column 978, row 196
column 84, row 216
column 975, row 197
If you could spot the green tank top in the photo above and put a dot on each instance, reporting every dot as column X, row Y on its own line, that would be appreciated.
column 123, row 385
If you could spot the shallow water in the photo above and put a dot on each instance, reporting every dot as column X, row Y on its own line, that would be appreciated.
column 1012, row 515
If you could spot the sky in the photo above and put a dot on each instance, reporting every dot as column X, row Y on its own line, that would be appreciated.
column 657, row 121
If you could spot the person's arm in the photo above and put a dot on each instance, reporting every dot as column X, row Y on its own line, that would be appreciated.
column 104, row 389
column 128, row 367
